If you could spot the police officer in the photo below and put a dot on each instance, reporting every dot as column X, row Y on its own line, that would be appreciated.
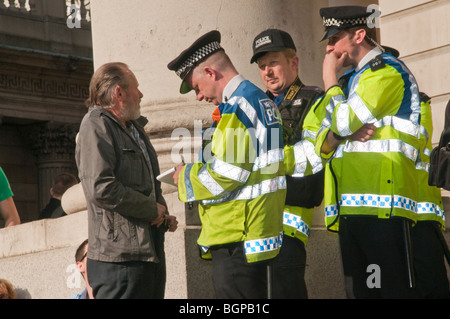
column 274, row 52
column 371, row 194
column 242, row 186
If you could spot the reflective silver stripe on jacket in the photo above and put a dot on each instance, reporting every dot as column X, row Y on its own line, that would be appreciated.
column 423, row 131
column 209, row 182
column 361, row 110
column 187, row 180
column 252, row 191
column 263, row 245
column 250, row 112
column 401, row 125
column 343, row 114
column 304, row 152
column 296, row 222
column 236, row 173
column 414, row 90
column 423, row 166
column 267, row 158
column 309, row 134
column 378, row 146
column 334, row 101
column 229, row 171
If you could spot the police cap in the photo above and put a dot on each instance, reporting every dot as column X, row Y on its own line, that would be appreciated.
column 198, row 51
column 271, row 40
column 336, row 19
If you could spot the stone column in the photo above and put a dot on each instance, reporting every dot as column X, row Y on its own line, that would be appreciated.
column 54, row 147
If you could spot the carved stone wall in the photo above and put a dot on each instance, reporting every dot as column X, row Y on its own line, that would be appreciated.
column 45, row 70
column 43, row 87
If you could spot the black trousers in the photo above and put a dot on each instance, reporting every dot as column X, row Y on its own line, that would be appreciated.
column 288, row 270
column 429, row 262
column 126, row 280
column 368, row 242
column 234, row 278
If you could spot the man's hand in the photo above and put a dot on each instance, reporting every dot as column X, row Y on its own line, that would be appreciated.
column 332, row 65
column 364, row 134
column 177, row 173
column 171, row 222
column 161, row 215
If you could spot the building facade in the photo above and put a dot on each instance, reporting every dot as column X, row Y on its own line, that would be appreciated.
column 45, row 68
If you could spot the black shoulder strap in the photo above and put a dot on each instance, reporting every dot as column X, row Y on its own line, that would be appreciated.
column 292, row 92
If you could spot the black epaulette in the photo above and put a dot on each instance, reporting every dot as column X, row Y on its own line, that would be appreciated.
column 377, row 63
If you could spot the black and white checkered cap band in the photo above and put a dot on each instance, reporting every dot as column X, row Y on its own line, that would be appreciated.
column 333, row 22
column 197, row 56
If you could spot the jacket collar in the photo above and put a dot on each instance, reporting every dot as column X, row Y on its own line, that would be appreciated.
column 368, row 57
column 232, row 86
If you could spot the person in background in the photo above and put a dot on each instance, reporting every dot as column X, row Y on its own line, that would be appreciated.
column 80, row 260
column 61, row 183
column 7, row 290
column 8, row 210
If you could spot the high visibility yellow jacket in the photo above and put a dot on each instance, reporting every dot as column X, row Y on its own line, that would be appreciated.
column 300, row 125
column 242, row 187
column 379, row 177
column 301, row 161
column 429, row 203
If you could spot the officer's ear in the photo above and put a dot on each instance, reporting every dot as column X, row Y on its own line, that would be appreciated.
column 359, row 36
column 210, row 73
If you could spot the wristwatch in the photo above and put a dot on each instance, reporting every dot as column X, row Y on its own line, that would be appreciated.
column 338, row 137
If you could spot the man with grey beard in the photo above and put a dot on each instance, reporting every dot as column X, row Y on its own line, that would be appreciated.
column 127, row 214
